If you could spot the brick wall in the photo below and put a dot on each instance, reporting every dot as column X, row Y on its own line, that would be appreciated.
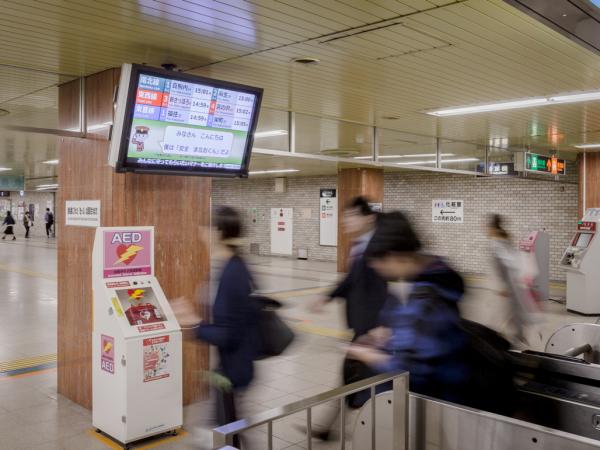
column 526, row 204
column 255, row 198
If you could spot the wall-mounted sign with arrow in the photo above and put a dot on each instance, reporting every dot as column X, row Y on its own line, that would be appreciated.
column 447, row 211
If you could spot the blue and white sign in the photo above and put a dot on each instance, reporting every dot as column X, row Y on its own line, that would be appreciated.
column 447, row 211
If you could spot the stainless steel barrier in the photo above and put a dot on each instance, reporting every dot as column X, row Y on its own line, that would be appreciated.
column 223, row 436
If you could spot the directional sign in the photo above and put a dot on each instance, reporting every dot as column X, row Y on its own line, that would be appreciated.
column 447, row 211
column 550, row 165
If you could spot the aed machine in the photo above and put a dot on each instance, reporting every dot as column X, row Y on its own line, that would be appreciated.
column 137, row 343
column 537, row 246
column 582, row 263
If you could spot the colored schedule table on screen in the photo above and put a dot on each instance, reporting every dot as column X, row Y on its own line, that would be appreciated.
column 178, row 123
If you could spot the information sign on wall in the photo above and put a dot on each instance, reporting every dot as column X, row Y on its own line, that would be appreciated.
column 328, row 217
column 82, row 213
column 447, row 211
column 282, row 231
column 156, row 358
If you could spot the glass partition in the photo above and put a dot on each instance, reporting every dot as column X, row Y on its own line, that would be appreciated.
column 329, row 137
column 405, row 149
column 462, row 156
column 272, row 131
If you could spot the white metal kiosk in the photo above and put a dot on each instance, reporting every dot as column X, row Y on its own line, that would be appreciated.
column 582, row 263
column 137, row 356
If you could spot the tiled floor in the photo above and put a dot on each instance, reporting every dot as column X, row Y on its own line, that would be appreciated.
column 34, row 417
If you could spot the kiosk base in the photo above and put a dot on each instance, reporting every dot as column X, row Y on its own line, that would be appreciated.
column 146, row 440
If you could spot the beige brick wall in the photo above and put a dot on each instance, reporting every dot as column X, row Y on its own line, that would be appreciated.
column 527, row 205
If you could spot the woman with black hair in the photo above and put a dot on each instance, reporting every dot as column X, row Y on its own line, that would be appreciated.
column 421, row 325
column 510, row 309
column 234, row 329
column 9, row 221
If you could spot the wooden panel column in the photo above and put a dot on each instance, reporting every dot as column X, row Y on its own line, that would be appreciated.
column 352, row 183
column 176, row 206
column 589, row 181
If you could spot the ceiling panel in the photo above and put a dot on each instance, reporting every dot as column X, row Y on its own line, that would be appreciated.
column 378, row 59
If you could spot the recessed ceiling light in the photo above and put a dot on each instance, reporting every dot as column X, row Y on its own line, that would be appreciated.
column 270, row 133
column 574, row 97
column 588, row 145
column 4, row 112
column 260, row 172
column 390, row 117
column 52, row 162
column 306, row 60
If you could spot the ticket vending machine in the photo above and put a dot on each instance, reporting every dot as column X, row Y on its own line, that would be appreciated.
column 537, row 247
column 137, row 344
column 582, row 263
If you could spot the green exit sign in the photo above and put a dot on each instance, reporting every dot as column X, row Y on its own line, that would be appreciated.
column 545, row 164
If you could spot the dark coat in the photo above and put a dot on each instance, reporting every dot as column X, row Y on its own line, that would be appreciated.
column 365, row 293
column 234, row 329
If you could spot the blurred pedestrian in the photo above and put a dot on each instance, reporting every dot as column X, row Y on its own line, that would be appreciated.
column 513, row 302
column 421, row 325
column 49, row 220
column 364, row 292
column 27, row 223
column 9, row 222
column 234, row 327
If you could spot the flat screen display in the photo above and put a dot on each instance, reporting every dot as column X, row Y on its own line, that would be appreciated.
column 185, row 124
column 583, row 240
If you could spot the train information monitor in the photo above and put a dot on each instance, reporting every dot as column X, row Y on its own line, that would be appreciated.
column 136, row 353
column 177, row 123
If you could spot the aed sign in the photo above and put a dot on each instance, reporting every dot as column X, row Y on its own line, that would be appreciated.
column 447, row 211
column 107, row 354
column 127, row 253
column 550, row 165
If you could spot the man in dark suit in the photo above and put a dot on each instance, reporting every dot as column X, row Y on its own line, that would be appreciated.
column 363, row 290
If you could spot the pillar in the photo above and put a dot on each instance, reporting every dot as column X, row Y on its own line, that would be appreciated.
column 589, row 181
column 176, row 206
column 352, row 183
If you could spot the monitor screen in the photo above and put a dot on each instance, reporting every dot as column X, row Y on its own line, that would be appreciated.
column 171, row 122
column 140, row 306
column 583, row 240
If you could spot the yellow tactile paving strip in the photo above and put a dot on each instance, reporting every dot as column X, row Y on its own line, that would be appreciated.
column 25, row 363
column 30, row 273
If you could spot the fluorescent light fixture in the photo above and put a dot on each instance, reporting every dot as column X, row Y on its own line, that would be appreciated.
column 271, row 133
column 577, row 97
column 588, row 145
column 52, row 162
column 96, row 127
column 513, row 104
column 433, row 161
column 5, row 169
column 260, row 172
column 47, row 185
column 574, row 97
column 421, row 155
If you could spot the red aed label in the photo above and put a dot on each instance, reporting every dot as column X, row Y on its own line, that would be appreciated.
column 152, row 327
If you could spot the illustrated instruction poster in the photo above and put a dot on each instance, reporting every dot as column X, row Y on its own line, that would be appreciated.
column 282, row 231
column 157, row 358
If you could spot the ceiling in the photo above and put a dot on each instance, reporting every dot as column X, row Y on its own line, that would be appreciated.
column 378, row 59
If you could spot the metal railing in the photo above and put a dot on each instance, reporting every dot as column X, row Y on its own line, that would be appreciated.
column 223, row 436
